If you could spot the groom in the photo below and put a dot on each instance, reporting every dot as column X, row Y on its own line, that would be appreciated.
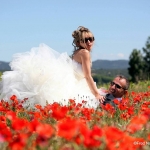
column 117, row 89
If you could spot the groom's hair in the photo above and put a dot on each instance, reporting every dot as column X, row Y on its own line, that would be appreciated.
column 127, row 81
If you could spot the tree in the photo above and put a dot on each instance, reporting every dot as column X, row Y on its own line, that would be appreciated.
column 146, row 58
column 136, row 65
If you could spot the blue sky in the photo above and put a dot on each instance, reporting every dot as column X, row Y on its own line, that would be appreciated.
column 119, row 26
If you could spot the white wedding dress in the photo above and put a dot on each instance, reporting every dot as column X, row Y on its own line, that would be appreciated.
column 44, row 75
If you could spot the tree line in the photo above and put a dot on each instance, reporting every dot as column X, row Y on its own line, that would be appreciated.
column 139, row 63
column 138, row 70
column 104, row 76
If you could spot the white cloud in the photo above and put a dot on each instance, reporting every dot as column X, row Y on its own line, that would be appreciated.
column 120, row 55
column 109, row 56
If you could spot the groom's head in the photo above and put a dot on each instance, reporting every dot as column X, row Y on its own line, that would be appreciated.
column 118, row 86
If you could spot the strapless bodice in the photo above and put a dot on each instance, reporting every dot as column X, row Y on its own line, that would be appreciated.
column 78, row 70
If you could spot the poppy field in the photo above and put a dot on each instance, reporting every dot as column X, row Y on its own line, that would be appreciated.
column 75, row 127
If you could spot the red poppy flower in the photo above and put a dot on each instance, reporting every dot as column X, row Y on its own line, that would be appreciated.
column 137, row 123
column 116, row 101
column 148, row 136
column 14, row 99
column 19, row 124
column 122, row 106
column 11, row 115
column 5, row 132
column 93, row 137
column 59, row 112
column 44, row 130
column 69, row 128
column 19, row 141
column 125, row 116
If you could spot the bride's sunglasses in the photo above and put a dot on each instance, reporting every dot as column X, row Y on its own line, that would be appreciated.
column 91, row 39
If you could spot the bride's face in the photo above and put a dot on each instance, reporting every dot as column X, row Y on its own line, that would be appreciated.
column 87, row 41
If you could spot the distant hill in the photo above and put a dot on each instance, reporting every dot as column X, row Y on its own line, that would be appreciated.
column 98, row 64
column 4, row 66
column 110, row 64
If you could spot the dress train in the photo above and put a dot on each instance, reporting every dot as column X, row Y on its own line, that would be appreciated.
column 44, row 75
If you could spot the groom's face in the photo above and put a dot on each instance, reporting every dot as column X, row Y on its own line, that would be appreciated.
column 117, row 87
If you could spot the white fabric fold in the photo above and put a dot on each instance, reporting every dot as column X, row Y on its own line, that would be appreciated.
column 43, row 74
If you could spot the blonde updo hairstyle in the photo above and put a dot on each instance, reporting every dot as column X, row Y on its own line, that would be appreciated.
column 78, row 36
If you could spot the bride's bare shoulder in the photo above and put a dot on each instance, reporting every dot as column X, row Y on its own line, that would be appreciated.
column 85, row 53
column 82, row 53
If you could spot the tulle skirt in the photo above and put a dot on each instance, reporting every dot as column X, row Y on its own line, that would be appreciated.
column 45, row 76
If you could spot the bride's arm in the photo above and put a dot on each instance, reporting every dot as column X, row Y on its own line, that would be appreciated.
column 86, row 66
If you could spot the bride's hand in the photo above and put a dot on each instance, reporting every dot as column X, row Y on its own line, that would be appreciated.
column 100, row 98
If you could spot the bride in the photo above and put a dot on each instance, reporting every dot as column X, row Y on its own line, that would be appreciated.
column 44, row 75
